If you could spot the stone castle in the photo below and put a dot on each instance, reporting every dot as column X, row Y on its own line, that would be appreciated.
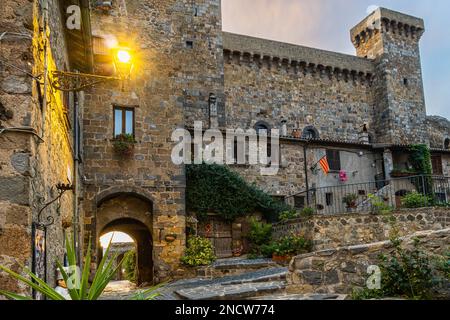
column 363, row 111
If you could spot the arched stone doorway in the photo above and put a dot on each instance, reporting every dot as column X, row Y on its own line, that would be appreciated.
column 132, row 215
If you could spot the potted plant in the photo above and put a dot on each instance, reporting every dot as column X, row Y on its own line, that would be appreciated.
column 350, row 200
column 288, row 247
column 123, row 145
column 237, row 252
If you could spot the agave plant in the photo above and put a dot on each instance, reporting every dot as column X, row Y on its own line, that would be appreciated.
column 148, row 294
column 82, row 290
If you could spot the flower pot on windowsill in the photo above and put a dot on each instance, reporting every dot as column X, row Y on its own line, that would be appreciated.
column 124, row 145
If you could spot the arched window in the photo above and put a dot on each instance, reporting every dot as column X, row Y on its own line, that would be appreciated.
column 447, row 143
column 310, row 133
column 261, row 125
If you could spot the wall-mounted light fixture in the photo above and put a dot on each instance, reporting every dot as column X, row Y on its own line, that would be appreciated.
column 72, row 81
column 62, row 188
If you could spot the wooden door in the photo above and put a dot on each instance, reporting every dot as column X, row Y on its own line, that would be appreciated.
column 219, row 233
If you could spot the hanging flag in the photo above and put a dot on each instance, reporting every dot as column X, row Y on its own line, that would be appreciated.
column 324, row 164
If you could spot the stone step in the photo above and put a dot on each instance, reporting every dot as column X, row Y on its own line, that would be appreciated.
column 291, row 297
column 232, row 266
column 231, row 292
column 277, row 274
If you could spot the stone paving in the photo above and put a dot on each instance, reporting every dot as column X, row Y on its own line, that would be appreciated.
column 242, row 263
column 267, row 283
column 291, row 297
column 251, row 281
column 228, row 292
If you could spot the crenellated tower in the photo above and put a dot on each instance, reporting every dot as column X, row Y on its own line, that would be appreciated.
column 392, row 39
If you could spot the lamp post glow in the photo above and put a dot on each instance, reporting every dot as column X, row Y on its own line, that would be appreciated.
column 123, row 56
column 123, row 62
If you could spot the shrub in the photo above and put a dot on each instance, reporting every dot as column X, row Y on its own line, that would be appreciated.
column 350, row 200
column 407, row 273
column 199, row 252
column 129, row 265
column 415, row 200
column 82, row 288
column 287, row 246
column 307, row 212
column 292, row 245
column 288, row 215
column 260, row 234
column 378, row 205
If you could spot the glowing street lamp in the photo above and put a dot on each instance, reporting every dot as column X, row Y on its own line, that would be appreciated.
column 123, row 62
column 69, row 81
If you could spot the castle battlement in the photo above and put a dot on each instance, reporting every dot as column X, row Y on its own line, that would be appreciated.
column 387, row 21
column 299, row 59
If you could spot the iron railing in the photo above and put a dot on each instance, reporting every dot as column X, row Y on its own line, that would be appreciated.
column 346, row 198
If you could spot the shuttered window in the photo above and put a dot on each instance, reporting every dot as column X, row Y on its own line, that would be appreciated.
column 436, row 162
column 334, row 160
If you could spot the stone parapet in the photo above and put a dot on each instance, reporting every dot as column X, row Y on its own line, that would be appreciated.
column 344, row 230
column 341, row 270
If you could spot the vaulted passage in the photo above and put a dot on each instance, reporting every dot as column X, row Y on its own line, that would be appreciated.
column 130, row 215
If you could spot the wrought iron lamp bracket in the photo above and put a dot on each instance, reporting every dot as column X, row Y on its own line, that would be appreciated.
column 62, row 188
column 72, row 81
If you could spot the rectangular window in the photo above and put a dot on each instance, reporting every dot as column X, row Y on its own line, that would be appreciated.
column 436, row 161
column 123, row 121
column 334, row 160
column 329, row 199
column 299, row 202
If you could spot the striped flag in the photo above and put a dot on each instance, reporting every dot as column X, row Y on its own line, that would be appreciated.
column 324, row 164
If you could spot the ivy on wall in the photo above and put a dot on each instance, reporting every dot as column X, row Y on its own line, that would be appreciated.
column 217, row 189
column 420, row 158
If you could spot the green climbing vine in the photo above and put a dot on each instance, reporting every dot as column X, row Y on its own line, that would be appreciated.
column 420, row 159
column 217, row 189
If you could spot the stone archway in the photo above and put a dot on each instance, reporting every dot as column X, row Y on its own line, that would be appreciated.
column 132, row 215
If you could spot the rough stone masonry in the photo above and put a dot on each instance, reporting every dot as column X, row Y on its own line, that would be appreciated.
column 367, row 107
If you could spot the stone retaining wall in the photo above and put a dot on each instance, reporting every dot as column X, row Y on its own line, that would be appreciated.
column 340, row 270
column 345, row 230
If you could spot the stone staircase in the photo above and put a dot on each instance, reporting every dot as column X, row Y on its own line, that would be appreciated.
column 234, row 266
column 230, row 279
column 232, row 291
column 246, row 279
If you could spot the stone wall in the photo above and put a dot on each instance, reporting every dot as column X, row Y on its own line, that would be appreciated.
column 36, row 153
column 178, row 67
column 265, row 86
column 438, row 131
column 392, row 40
column 341, row 270
column 352, row 229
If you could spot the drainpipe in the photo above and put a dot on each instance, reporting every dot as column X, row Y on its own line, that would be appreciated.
column 45, row 74
column 305, row 146
column 75, row 179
